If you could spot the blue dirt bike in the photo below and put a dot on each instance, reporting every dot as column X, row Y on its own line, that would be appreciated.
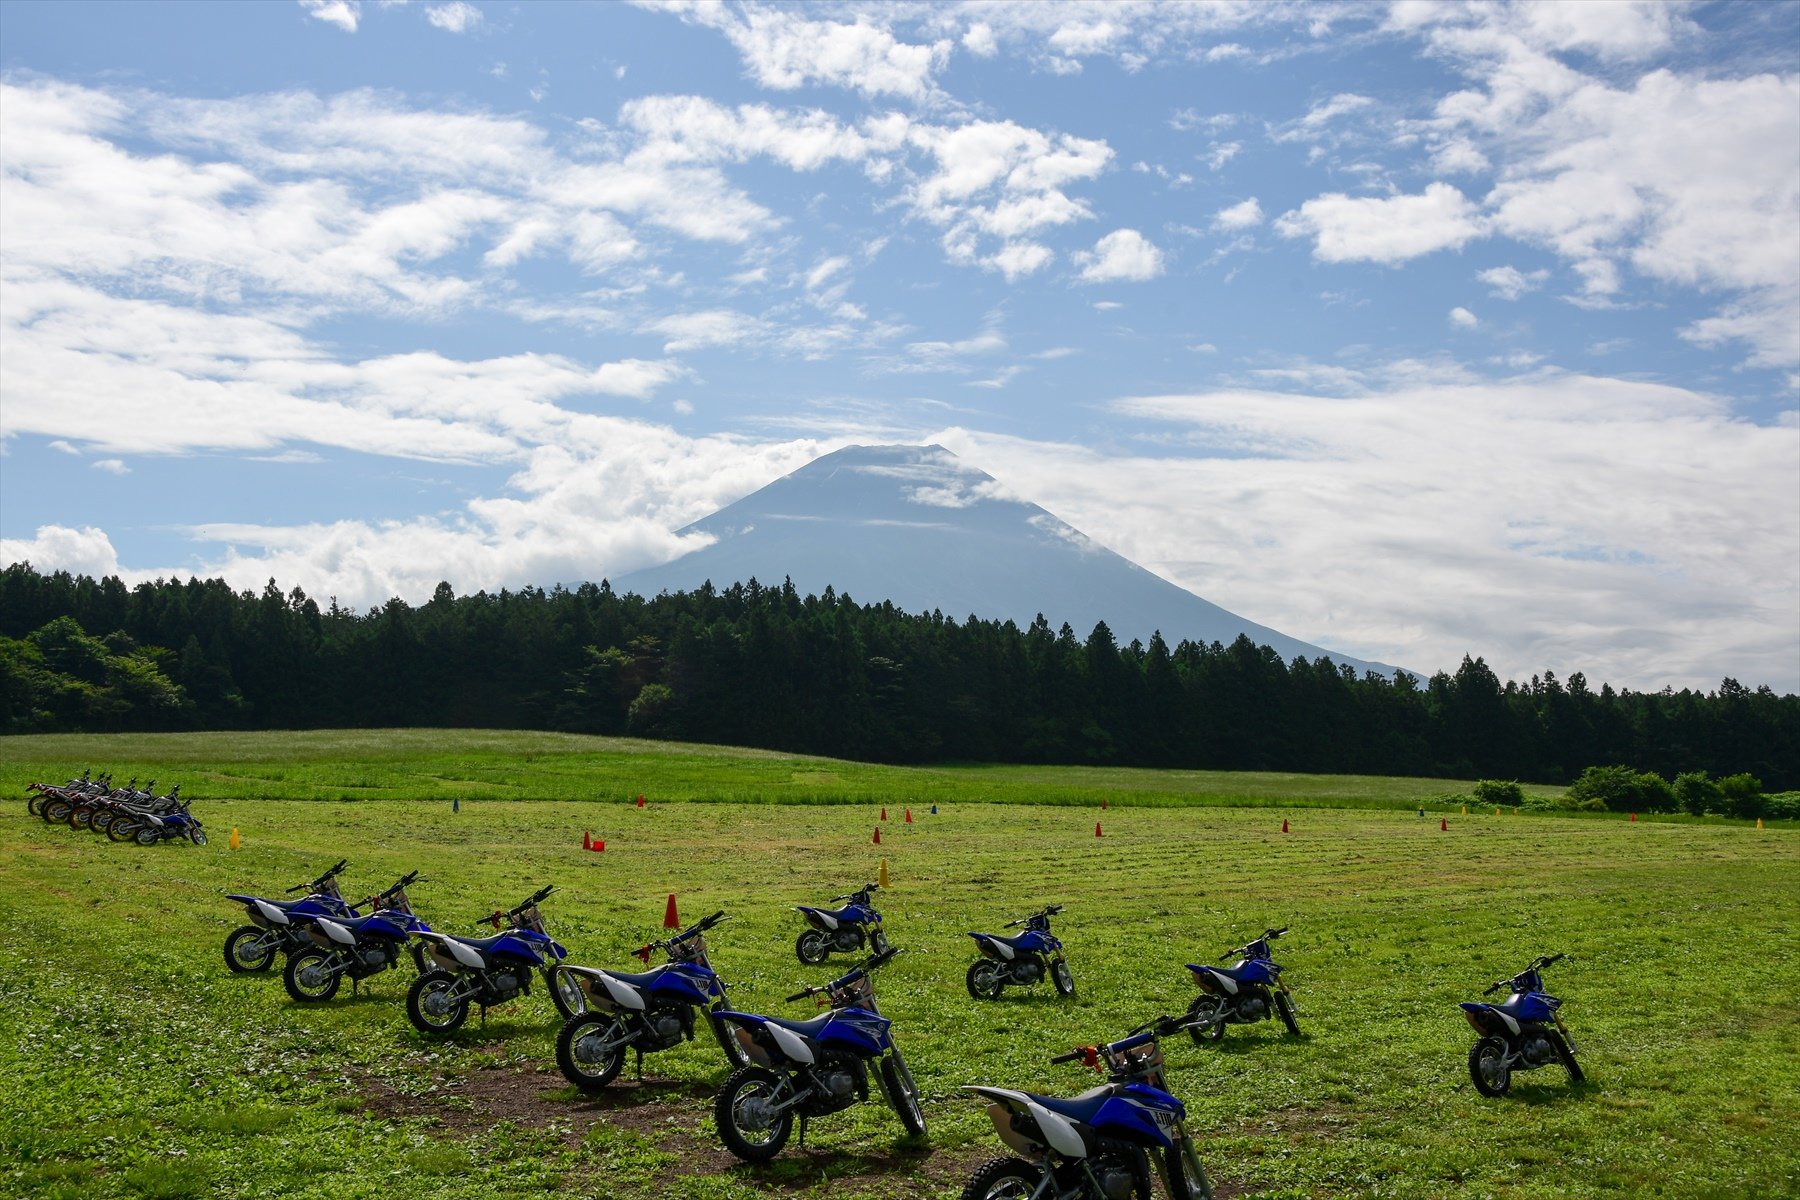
column 645, row 1012
column 1521, row 1033
column 1101, row 1144
column 272, row 929
column 490, row 971
column 811, row 1068
column 1023, row 958
column 355, row 947
column 844, row 930
column 1250, row 990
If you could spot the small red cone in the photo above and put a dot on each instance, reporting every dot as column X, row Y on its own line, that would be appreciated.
column 640, row 800
column 1097, row 832
column 1444, row 824
column 1284, row 824
column 599, row 846
column 1103, row 804
column 670, row 919
column 877, row 838
column 1634, row 816
column 587, row 841
column 884, row 812
column 909, row 816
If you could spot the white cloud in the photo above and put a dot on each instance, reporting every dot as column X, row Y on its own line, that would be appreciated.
column 1015, row 260
column 84, row 551
column 456, row 17
column 1509, row 283
column 1634, row 531
column 1107, row 305
column 112, row 466
column 1243, row 215
column 1384, row 229
column 343, row 13
column 979, row 40
column 1462, row 318
column 785, row 50
column 1122, row 255
column 712, row 327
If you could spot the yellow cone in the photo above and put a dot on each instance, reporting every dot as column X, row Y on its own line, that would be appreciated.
column 1759, row 822
column 1496, row 812
column 881, row 878
column 235, row 843
column 1465, row 811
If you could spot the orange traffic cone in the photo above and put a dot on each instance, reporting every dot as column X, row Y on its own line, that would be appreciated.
column 587, row 840
column 599, row 846
column 670, row 919
column 884, row 812
column 1097, row 832
column 1103, row 804
column 1634, row 816
column 1444, row 824
column 1284, row 824
column 909, row 816
column 640, row 800
column 877, row 838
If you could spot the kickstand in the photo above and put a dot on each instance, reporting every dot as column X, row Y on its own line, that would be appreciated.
column 484, row 1016
column 803, row 1129
column 640, row 1063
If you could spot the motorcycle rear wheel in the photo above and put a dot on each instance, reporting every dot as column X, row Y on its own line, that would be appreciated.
column 245, row 962
column 306, row 979
column 734, row 1107
column 101, row 819
column 147, row 835
column 812, row 947
column 1487, row 1067
column 1285, row 1007
column 34, row 804
column 1206, row 1006
column 122, row 829
column 595, row 1075
column 80, row 817
column 903, row 1094
column 565, row 991
column 56, row 811
column 984, row 980
column 417, row 997
column 1003, row 1179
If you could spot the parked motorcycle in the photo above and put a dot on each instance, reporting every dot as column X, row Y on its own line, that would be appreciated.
column 1521, row 1033
column 844, row 930
column 1020, row 959
column 355, row 947
column 273, row 927
column 811, row 1068
column 1099, row 1145
column 645, row 1012
column 149, row 828
column 1250, row 990
column 55, row 803
column 102, row 812
column 490, row 971
column 36, row 794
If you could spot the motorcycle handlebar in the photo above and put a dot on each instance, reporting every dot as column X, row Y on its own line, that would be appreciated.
column 803, row 994
column 1496, row 986
column 533, row 899
column 1080, row 1052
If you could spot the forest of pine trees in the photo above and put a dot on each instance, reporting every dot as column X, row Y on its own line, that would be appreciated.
column 764, row 666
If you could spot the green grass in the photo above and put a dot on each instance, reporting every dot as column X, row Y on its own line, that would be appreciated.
column 136, row 1066
column 461, row 764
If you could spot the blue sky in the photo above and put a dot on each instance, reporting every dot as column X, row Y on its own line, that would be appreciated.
column 1412, row 329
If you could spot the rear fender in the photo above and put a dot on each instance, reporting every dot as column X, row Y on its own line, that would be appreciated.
column 1017, row 1118
column 993, row 948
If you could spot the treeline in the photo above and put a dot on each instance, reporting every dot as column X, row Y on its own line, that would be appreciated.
column 764, row 666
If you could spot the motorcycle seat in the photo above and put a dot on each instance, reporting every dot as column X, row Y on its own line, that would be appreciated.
column 486, row 943
column 641, row 980
column 1079, row 1108
column 1237, row 970
column 809, row 1029
column 841, row 915
column 356, row 924
column 1012, row 940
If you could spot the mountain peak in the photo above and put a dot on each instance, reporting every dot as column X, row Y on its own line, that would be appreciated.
column 918, row 526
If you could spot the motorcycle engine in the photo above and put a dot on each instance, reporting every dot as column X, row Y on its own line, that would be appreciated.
column 668, row 1024
column 1117, row 1180
column 846, row 937
column 1024, row 970
column 1252, row 1008
column 377, row 956
column 507, row 982
column 1537, row 1050
column 842, row 1082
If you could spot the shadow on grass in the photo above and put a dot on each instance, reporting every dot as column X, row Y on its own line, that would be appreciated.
column 904, row 1158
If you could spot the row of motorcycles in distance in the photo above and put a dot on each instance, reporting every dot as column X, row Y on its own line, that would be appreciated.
column 124, row 814
column 1105, row 1143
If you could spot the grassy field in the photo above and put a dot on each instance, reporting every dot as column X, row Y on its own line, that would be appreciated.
column 135, row 1065
column 441, row 764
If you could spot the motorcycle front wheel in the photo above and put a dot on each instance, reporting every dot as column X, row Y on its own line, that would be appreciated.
column 245, row 951
column 742, row 1111
column 1062, row 977
column 579, row 1055
column 1567, row 1057
column 1187, row 1178
column 429, row 1008
column 1487, row 1067
column 983, row 980
column 1003, row 1179
column 565, row 991
column 811, row 947
column 1285, row 1007
column 903, row 1094
column 309, row 978
column 197, row 836
column 726, row 1032
column 1210, row 1008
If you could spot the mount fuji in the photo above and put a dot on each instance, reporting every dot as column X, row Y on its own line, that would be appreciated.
column 917, row 526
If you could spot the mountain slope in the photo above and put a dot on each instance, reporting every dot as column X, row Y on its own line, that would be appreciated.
column 917, row 526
